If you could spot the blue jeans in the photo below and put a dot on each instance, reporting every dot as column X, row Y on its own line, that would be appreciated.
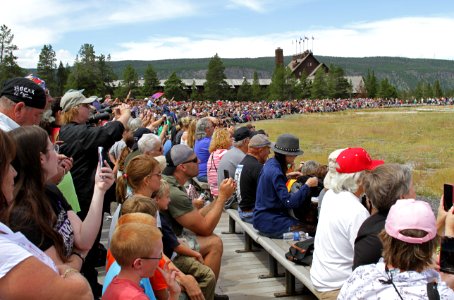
column 202, row 178
column 247, row 217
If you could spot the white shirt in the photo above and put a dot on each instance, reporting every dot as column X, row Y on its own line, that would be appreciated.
column 371, row 282
column 15, row 248
column 340, row 217
column 6, row 123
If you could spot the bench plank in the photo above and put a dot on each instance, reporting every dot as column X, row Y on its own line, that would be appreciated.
column 276, row 249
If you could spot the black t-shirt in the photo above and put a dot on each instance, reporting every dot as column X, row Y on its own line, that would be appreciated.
column 169, row 239
column 33, row 233
column 248, row 180
column 368, row 246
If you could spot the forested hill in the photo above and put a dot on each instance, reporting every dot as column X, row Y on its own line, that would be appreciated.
column 404, row 73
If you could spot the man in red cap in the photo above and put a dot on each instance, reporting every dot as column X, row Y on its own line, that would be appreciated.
column 341, row 215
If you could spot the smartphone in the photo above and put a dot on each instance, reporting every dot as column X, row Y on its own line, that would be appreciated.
column 447, row 196
column 226, row 174
column 100, row 158
column 447, row 256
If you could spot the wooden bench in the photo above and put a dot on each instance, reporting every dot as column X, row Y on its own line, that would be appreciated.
column 276, row 250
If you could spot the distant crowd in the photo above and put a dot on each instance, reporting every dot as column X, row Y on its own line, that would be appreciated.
column 173, row 167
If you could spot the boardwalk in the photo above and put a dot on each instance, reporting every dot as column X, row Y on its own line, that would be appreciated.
column 240, row 271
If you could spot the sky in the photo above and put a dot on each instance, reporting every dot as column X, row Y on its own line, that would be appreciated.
column 170, row 29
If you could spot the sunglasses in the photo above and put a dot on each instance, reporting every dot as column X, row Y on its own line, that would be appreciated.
column 194, row 160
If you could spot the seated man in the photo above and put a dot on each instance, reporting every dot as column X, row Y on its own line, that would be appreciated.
column 182, row 164
column 341, row 216
column 248, row 172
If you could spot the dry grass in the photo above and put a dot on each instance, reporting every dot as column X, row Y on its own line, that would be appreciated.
column 421, row 138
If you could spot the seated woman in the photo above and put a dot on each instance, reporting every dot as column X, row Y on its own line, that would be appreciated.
column 406, row 271
column 273, row 201
column 220, row 143
column 41, row 212
column 383, row 187
column 20, row 260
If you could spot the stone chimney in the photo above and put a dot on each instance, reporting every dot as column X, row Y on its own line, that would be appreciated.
column 279, row 57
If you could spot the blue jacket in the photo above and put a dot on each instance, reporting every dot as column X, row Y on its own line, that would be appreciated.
column 273, row 200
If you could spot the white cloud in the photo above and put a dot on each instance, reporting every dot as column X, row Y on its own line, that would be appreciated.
column 50, row 21
column 408, row 37
column 415, row 37
column 255, row 5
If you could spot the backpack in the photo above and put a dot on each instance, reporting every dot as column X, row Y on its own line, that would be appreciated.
column 301, row 252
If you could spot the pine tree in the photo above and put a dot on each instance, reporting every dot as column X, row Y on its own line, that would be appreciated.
column 244, row 91
column 195, row 94
column 6, row 43
column 276, row 89
column 46, row 69
column 371, row 84
column 319, row 86
column 215, row 86
column 438, row 92
column 61, row 78
column 174, row 87
column 8, row 65
column 85, row 73
column 130, row 78
column 305, row 85
column 387, row 90
column 256, row 89
column 151, row 81
column 106, row 74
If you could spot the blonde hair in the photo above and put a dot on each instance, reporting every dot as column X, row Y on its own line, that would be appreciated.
column 137, row 169
column 139, row 204
column 69, row 116
column 191, row 133
column 220, row 140
column 163, row 189
column 134, row 240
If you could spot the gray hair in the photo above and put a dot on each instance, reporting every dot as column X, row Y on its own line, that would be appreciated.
column 148, row 142
column 310, row 167
column 200, row 127
column 386, row 184
column 134, row 124
column 346, row 182
column 6, row 103
column 332, row 165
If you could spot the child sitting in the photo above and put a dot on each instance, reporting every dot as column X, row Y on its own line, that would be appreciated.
column 137, row 248
column 184, row 258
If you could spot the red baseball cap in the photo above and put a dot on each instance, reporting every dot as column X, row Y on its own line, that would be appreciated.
column 353, row 160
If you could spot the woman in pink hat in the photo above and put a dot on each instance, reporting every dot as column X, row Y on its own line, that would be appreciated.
column 406, row 271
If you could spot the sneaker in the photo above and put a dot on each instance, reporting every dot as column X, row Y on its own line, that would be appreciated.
column 221, row 297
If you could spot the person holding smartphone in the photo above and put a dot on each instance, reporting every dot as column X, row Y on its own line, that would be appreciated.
column 445, row 227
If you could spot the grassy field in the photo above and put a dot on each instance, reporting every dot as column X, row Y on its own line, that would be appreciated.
column 420, row 137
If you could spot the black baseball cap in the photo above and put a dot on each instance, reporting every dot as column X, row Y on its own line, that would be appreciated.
column 22, row 89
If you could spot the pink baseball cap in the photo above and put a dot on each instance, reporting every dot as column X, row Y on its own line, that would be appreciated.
column 411, row 214
column 353, row 160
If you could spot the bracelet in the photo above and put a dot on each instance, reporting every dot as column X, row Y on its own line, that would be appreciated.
column 69, row 271
column 79, row 255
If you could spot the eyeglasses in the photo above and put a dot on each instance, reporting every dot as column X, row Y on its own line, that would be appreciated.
column 155, row 258
column 194, row 160
column 157, row 174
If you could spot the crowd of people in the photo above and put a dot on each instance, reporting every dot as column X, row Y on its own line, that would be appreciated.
column 153, row 158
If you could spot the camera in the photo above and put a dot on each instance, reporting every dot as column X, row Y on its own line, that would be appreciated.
column 105, row 116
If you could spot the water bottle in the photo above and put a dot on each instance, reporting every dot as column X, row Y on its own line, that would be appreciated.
column 295, row 235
